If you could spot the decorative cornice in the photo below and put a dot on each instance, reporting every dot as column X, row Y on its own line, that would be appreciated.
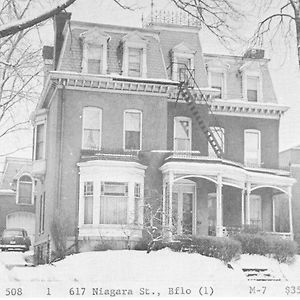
column 158, row 87
column 249, row 109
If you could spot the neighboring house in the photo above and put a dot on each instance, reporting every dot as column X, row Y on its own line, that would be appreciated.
column 290, row 159
column 110, row 137
column 17, row 205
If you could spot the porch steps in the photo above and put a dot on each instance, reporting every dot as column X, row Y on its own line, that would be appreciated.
column 261, row 274
column 191, row 102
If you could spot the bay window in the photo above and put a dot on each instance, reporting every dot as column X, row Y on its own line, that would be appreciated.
column 132, row 130
column 91, row 131
column 137, row 198
column 113, row 203
column 88, row 194
column 252, row 151
column 182, row 134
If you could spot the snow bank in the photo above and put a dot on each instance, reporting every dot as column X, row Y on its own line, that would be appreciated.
column 163, row 268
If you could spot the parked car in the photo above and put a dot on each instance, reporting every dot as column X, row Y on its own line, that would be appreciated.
column 15, row 239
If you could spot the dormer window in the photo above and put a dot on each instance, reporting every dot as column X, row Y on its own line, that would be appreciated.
column 135, row 62
column 217, row 82
column 25, row 190
column 134, row 55
column 94, row 53
column 252, row 88
column 182, row 62
column 251, row 81
column 94, row 59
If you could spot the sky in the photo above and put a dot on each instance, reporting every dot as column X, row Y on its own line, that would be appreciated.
column 283, row 65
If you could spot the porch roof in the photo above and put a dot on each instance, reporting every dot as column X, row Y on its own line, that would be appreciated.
column 232, row 173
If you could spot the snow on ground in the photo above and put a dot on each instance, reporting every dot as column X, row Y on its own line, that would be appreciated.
column 163, row 268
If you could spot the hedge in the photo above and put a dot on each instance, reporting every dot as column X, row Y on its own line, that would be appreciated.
column 259, row 243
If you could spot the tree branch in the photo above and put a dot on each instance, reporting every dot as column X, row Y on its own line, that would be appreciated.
column 21, row 25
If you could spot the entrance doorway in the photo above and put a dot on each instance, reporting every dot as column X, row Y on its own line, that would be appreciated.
column 184, row 207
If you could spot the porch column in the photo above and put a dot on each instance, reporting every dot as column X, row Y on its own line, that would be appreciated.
column 219, row 221
column 290, row 211
column 248, row 191
column 164, row 204
column 243, row 207
column 273, row 215
column 171, row 179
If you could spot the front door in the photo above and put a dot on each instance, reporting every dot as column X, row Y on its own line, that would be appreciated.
column 183, row 207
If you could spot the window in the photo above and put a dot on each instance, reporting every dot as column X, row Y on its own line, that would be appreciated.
column 94, row 55
column 137, row 198
column 134, row 62
column 218, row 133
column 217, row 82
column 252, row 148
column 182, row 134
column 184, row 68
column 252, row 88
column 25, row 190
column 39, row 144
column 94, row 61
column 255, row 211
column 134, row 55
column 113, row 203
column 132, row 130
column 92, row 119
column 42, row 213
column 88, row 193
column 182, row 62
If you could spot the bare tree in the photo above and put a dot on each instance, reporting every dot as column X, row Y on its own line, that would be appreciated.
column 23, row 23
column 283, row 21
column 20, row 66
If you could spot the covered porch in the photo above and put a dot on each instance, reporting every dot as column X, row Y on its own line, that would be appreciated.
column 204, row 196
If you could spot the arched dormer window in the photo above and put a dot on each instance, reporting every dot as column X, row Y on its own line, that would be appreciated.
column 134, row 55
column 183, row 58
column 94, row 53
column 25, row 190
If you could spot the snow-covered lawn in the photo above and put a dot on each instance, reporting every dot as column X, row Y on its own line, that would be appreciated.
column 161, row 270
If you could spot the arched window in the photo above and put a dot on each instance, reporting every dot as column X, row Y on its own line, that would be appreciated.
column 25, row 190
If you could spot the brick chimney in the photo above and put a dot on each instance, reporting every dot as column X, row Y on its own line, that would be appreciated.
column 59, row 23
column 254, row 53
column 47, row 53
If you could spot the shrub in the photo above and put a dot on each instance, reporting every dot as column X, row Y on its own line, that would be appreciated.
column 222, row 248
column 262, row 244
column 254, row 243
column 102, row 247
column 284, row 250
